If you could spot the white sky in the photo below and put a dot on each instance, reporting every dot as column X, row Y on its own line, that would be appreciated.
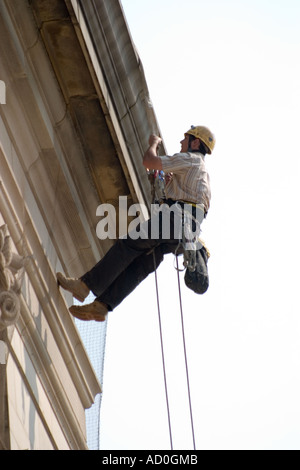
column 233, row 66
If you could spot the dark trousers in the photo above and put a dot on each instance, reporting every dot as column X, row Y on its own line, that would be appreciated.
column 128, row 262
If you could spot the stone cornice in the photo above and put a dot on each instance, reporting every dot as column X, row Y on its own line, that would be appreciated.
column 125, row 97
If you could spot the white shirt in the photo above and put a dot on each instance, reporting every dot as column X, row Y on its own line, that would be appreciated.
column 190, row 181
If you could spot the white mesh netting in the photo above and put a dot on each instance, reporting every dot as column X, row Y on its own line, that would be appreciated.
column 93, row 336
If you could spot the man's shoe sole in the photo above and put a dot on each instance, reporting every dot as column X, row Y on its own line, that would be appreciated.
column 95, row 311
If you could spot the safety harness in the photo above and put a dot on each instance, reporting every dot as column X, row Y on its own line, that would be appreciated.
column 195, row 253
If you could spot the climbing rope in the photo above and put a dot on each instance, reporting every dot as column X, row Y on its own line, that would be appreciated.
column 162, row 352
column 152, row 178
column 185, row 357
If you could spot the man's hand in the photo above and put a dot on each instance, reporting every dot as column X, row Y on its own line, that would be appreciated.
column 154, row 140
column 151, row 160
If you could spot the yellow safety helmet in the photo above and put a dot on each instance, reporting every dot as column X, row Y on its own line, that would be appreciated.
column 205, row 135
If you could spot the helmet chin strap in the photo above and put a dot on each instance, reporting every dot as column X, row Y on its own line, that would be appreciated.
column 191, row 138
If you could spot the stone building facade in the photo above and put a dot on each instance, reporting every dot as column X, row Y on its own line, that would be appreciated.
column 74, row 124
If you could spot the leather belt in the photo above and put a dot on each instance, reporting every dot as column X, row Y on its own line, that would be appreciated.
column 170, row 202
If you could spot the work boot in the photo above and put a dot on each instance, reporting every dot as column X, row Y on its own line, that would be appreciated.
column 95, row 311
column 77, row 287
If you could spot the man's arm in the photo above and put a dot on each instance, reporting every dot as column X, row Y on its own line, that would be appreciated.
column 151, row 160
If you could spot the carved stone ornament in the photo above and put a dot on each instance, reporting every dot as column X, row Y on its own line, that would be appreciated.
column 11, row 274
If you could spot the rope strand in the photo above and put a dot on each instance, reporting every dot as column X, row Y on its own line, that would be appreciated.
column 185, row 356
column 162, row 352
